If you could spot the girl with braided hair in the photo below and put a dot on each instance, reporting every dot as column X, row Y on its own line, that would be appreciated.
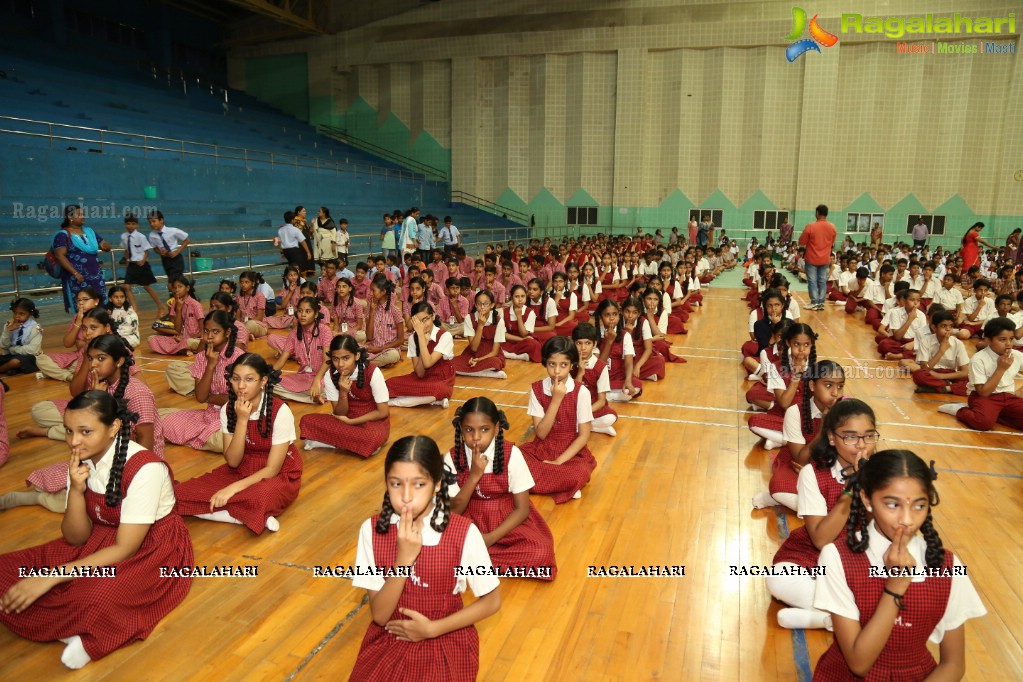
column 416, row 559
column 359, row 421
column 307, row 343
column 348, row 316
column 280, row 343
column 890, row 586
column 784, row 384
column 186, row 313
column 431, row 349
column 491, row 489
column 847, row 437
column 109, row 360
column 206, row 380
column 385, row 328
column 119, row 529
column 221, row 300
column 61, row 366
column 824, row 386
column 616, row 348
column 484, row 328
column 263, row 470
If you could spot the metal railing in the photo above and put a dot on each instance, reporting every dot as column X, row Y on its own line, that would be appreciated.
column 430, row 172
column 119, row 139
column 460, row 197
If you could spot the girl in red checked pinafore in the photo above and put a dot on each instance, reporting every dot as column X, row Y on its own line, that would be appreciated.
column 492, row 490
column 421, row 630
column 891, row 586
column 251, row 304
column 263, row 472
column 617, row 350
column 593, row 374
column 557, row 457
column 200, row 429
column 484, row 328
column 674, row 303
column 567, row 304
column 307, row 343
column 120, row 516
column 647, row 365
column 431, row 350
column 784, row 385
column 590, row 288
column 545, row 310
column 61, row 366
column 825, row 384
column 607, row 275
column 847, row 437
column 518, row 328
column 356, row 389
column 187, row 313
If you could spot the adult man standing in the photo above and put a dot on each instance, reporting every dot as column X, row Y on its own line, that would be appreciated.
column 703, row 235
column 819, row 239
column 920, row 234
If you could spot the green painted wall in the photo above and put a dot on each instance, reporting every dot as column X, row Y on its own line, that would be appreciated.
column 281, row 81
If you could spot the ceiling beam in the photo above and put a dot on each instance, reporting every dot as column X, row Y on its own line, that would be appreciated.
column 284, row 12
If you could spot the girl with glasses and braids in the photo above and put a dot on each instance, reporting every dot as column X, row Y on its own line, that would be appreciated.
column 109, row 360
column 119, row 529
column 890, row 585
column 846, row 438
column 491, row 489
column 263, row 470
column 431, row 350
column 200, row 429
column 416, row 559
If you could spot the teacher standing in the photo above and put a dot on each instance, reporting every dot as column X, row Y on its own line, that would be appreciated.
column 970, row 249
column 75, row 248
column 819, row 239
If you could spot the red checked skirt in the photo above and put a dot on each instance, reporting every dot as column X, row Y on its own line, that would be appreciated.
column 560, row 481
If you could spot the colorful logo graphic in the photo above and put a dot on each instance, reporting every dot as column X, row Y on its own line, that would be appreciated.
column 818, row 36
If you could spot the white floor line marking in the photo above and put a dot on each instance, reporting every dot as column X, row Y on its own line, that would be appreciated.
column 628, row 416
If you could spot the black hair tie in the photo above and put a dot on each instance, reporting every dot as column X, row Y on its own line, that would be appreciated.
column 934, row 472
column 449, row 476
column 274, row 377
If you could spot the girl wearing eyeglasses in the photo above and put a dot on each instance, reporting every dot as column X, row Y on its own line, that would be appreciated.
column 847, row 437
column 263, row 471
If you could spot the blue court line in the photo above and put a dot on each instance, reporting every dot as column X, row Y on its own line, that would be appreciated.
column 800, row 652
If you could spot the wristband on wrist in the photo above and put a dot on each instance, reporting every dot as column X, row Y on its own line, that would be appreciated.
column 897, row 597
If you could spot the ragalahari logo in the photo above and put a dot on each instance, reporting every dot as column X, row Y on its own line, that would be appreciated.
column 818, row 36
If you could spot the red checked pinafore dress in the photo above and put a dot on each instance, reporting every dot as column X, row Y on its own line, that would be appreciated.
column 798, row 548
column 783, row 477
column 258, row 502
column 438, row 382
column 528, row 345
column 616, row 367
column 453, row 657
column 106, row 612
column 560, row 481
column 905, row 657
column 528, row 544
column 363, row 439
column 540, row 310
column 590, row 377
column 195, row 427
column 461, row 361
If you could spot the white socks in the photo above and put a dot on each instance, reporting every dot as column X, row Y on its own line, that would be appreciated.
column 763, row 500
column 604, row 425
column 753, row 377
column 951, row 408
column 310, row 444
column 804, row 619
column 74, row 655
column 578, row 495
column 410, row 401
column 272, row 524
column 440, row 403
column 222, row 516
column 619, row 396
column 772, row 439
column 486, row 374
column 516, row 356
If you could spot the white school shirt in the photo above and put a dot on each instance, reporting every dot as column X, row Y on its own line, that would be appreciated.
column 583, row 406
column 1017, row 319
column 149, row 498
column 645, row 333
column 694, row 284
column 445, row 343
column 528, row 320
column 792, row 426
column 983, row 365
column 551, row 310
column 834, row 596
column 266, row 290
column 702, row 266
column 474, row 558
column 953, row 358
column 809, row 498
column 987, row 310
column 904, row 277
column 916, row 283
column 950, row 298
column 845, row 278
column 874, row 291
column 135, row 245
column 775, row 381
column 597, row 289
column 929, row 288
column 604, row 380
column 290, row 236
column 792, row 312
column 449, row 235
column 896, row 317
column 283, row 428
column 662, row 321
column 940, row 270
column 172, row 235
column 377, row 385
column 342, row 238
column 469, row 329
column 519, row 478
column 628, row 348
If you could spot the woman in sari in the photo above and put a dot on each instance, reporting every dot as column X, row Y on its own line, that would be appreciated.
column 75, row 248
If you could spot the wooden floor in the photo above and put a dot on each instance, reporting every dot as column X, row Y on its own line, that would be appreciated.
column 674, row 487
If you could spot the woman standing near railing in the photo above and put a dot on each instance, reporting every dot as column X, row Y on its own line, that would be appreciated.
column 75, row 248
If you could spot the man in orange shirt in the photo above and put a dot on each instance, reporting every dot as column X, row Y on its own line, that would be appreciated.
column 819, row 239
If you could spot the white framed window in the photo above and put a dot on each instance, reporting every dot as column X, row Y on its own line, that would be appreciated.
column 935, row 223
column 863, row 223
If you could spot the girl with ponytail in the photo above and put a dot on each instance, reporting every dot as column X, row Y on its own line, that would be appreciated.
column 359, row 421
column 431, row 349
column 784, row 384
column 186, row 313
column 889, row 585
column 120, row 524
column 205, row 379
column 109, row 360
column 223, row 301
column 307, row 343
column 61, row 366
column 263, row 470
column 491, row 489
column 417, row 556
column 846, row 439
column 385, row 328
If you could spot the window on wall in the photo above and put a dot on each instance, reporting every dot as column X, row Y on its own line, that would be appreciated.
column 863, row 222
column 716, row 215
column 769, row 220
column 935, row 223
column 582, row 215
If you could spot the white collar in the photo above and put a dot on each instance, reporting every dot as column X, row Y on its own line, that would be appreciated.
column 592, row 362
column 488, row 454
column 878, row 545
column 569, row 385
column 101, row 470
column 431, row 538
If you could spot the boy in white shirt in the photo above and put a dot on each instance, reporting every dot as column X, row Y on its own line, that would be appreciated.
column 900, row 326
column 942, row 364
column 992, row 382
column 977, row 309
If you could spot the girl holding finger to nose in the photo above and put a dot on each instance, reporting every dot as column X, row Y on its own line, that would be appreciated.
column 428, row 556
column 492, row 490
column 263, row 471
column 891, row 586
